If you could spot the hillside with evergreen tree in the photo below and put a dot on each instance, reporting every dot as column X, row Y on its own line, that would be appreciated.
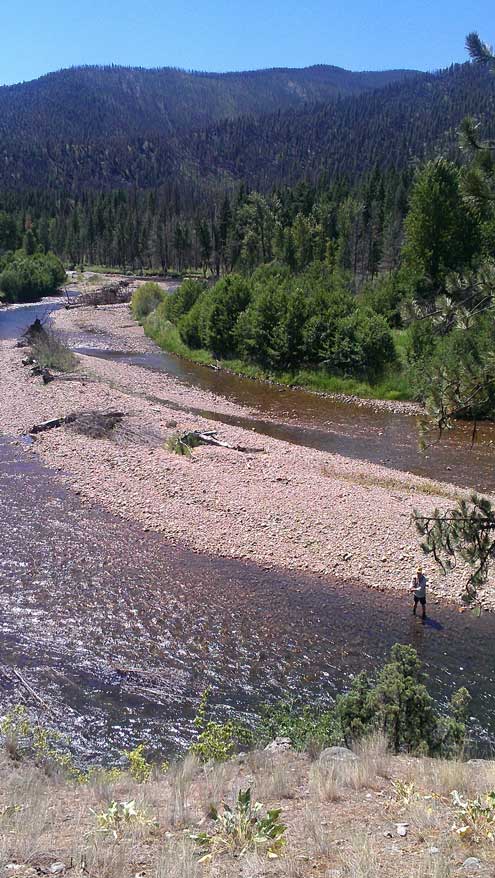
column 87, row 103
column 96, row 137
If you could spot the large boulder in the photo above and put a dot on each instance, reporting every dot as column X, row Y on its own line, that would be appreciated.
column 279, row 745
column 337, row 754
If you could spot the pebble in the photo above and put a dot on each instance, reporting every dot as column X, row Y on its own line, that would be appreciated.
column 471, row 863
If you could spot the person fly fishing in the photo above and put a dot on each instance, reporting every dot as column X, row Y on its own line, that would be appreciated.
column 418, row 588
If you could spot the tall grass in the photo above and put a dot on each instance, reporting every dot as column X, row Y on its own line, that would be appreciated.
column 51, row 353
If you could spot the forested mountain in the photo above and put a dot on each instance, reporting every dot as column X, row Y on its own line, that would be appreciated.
column 88, row 103
column 391, row 127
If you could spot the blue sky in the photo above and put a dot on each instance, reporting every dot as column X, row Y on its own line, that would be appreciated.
column 44, row 35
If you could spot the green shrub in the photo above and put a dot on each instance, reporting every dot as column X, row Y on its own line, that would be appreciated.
column 216, row 742
column 145, row 299
column 25, row 739
column 139, row 768
column 307, row 727
column 395, row 703
column 27, row 278
column 183, row 299
column 363, row 345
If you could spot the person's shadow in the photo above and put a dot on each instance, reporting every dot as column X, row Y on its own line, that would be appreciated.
column 432, row 623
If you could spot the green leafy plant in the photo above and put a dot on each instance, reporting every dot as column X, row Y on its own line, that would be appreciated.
column 47, row 747
column 475, row 818
column 139, row 767
column 215, row 741
column 307, row 727
column 176, row 445
column 243, row 828
column 405, row 792
column 120, row 817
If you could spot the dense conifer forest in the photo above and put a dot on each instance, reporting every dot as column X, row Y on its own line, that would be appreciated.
column 355, row 223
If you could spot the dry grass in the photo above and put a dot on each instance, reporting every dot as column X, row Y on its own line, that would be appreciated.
column 105, row 858
column 442, row 776
column 29, row 813
column 374, row 752
column 389, row 483
column 432, row 866
column 325, row 782
column 314, row 829
column 180, row 777
column 360, row 858
column 178, row 860
column 216, row 786
column 323, row 804
column 50, row 353
column 425, row 816
column 276, row 780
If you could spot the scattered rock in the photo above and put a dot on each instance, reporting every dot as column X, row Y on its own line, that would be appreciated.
column 471, row 864
column 402, row 829
column 15, row 870
column 337, row 754
column 433, row 850
column 388, row 834
column 278, row 745
column 57, row 868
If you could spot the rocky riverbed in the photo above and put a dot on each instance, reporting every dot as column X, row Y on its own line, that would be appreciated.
column 277, row 504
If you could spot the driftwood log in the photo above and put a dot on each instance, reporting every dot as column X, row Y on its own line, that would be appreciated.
column 209, row 437
column 111, row 417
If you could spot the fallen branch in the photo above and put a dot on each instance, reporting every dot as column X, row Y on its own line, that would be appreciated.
column 86, row 419
column 30, row 689
column 206, row 437
column 193, row 438
column 49, row 425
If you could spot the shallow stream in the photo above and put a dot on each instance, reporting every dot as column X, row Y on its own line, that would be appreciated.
column 120, row 631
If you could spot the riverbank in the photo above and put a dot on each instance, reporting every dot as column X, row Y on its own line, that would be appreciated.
column 341, row 818
column 282, row 506
column 383, row 395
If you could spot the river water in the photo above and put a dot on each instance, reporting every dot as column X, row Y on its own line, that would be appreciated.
column 120, row 631
column 315, row 421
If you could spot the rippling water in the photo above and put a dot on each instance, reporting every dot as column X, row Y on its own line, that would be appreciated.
column 125, row 630
column 121, row 631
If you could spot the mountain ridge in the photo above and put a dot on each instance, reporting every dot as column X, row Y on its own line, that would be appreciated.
column 89, row 102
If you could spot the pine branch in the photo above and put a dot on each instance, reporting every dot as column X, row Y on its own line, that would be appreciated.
column 479, row 52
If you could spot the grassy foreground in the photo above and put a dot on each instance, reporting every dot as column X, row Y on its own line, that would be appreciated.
column 393, row 386
column 359, row 818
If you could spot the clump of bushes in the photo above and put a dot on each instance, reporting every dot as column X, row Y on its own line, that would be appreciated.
column 280, row 322
column 145, row 299
column 26, row 278
column 395, row 703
